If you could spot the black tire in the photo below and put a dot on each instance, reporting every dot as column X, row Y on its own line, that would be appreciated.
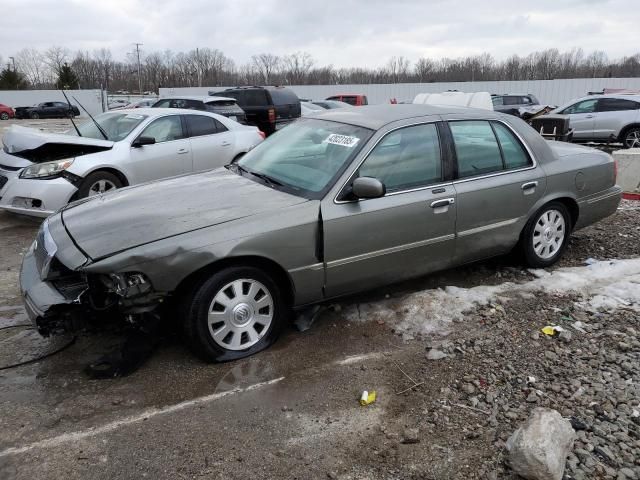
column 531, row 240
column 34, row 115
column 4, row 116
column 631, row 138
column 87, row 187
column 196, row 307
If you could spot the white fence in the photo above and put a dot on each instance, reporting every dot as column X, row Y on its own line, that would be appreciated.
column 552, row 92
column 92, row 100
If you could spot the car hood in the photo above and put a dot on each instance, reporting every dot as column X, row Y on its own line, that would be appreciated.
column 134, row 216
column 18, row 138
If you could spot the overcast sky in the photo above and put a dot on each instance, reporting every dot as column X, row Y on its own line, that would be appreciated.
column 343, row 33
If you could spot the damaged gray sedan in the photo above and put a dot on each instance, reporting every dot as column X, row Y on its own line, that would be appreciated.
column 334, row 204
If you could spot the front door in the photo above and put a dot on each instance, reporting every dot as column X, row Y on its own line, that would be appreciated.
column 497, row 186
column 212, row 143
column 170, row 155
column 407, row 232
column 582, row 118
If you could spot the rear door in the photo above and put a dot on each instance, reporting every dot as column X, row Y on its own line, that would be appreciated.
column 582, row 118
column 613, row 114
column 212, row 144
column 408, row 232
column 169, row 156
column 497, row 184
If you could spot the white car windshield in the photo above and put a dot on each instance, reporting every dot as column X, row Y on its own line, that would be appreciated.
column 304, row 157
column 117, row 125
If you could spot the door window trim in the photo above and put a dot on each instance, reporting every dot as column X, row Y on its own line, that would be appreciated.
column 502, row 172
column 444, row 159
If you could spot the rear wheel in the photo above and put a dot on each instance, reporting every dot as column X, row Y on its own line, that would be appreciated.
column 631, row 138
column 98, row 183
column 34, row 115
column 4, row 116
column 235, row 313
column 545, row 236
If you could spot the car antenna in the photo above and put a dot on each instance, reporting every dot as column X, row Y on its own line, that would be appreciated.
column 104, row 134
column 71, row 115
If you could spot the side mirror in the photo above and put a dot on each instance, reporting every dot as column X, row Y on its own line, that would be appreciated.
column 142, row 141
column 368, row 187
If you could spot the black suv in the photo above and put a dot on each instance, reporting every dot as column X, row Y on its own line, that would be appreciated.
column 510, row 103
column 222, row 106
column 268, row 108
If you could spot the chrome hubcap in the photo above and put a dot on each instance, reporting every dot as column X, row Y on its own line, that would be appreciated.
column 240, row 314
column 548, row 234
column 100, row 187
column 633, row 139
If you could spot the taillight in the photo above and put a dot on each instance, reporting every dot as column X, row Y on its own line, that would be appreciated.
column 615, row 170
column 262, row 134
column 272, row 115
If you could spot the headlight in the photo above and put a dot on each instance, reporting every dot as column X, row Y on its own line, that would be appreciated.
column 46, row 169
column 128, row 284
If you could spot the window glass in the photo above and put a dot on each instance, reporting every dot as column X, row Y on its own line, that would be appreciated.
column 365, row 101
column 406, row 158
column 513, row 152
column 586, row 106
column 476, row 148
column 116, row 125
column 307, row 155
column 200, row 125
column 525, row 100
column 162, row 104
column 283, row 96
column 616, row 104
column 351, row 100
column 497, row 101
column 253, row 97
column 219, row 126
column 164, row 129
column 510, row 100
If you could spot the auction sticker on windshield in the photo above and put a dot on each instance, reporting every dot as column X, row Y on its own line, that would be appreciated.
column 343, row 140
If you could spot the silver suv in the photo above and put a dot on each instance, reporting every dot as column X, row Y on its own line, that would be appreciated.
column 605, row 118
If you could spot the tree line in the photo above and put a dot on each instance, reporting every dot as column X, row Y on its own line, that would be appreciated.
column 58, row 67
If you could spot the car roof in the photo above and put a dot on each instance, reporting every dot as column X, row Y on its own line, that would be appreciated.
column 346, row 95
column 157, row 112
column 202, row 98
column 626, row 96
column 376, row 116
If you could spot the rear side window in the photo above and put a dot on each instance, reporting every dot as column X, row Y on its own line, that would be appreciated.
column 513, row 152
column 616, row 104
column 252, row 98
column 283, row 96
column 476, row 147
column 219, row 126
column 162, row 104
column 350, row 99
column 199, row 125
column 406, row 158
column 512, row 100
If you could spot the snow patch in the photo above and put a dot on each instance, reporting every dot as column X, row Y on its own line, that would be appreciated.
column 603, row 286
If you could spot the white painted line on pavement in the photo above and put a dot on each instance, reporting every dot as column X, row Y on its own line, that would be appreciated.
column 145, row 415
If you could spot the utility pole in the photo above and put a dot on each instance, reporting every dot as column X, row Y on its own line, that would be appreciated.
column 139, row 76
column 13, row 60
column 199, row 69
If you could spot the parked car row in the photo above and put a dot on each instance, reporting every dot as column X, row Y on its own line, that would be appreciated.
column 234, row 251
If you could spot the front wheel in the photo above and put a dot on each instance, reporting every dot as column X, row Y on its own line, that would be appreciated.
column 631, row 138
column 34, row 116
column 235, row 313
column 98, row 183
column 545, row 236
column 4, row 116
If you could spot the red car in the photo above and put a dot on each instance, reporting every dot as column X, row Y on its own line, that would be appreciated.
column 351, row 99
column 6, row 112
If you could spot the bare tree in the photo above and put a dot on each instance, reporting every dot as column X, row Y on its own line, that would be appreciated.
column 55, row 58
column 267, row 64
column 297, row 67
column 398, row 68
column 31, row 63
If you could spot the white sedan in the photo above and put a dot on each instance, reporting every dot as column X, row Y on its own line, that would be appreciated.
column 41, row 172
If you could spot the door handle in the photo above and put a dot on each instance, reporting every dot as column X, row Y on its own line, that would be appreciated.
column 225, row 144
column 529, row 185
column 589, row 116
column 445, row 202
column 182, row 150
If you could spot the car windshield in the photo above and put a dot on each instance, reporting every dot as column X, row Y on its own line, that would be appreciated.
column 304, row 157
column 117, row 126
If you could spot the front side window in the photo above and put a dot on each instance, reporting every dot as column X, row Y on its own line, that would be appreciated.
column 406, row 158
column 476, row 148
column 306, row 157
column 497, row 101
column 586, row 106
column 199, row 125
column 165, row 129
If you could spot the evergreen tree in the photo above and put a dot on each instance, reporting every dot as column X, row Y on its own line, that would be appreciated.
column 66, row 78
column 12, row 80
